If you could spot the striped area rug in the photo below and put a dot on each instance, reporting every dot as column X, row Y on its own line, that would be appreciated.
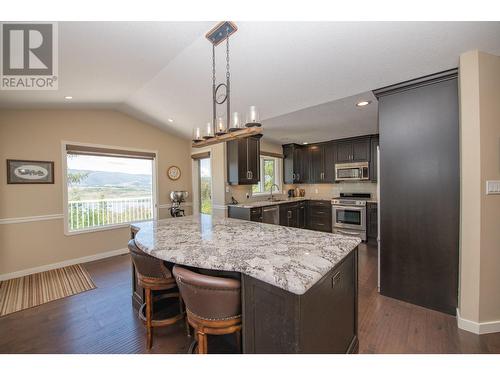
column 33, row 290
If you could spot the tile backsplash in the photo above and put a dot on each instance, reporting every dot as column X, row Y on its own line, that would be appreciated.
column 319, row 191
column 329, row 191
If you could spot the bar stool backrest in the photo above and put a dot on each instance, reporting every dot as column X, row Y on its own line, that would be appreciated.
column 209, row 297
column 146, row 265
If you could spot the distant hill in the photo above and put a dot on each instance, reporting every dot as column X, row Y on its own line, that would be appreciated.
column 98, row 178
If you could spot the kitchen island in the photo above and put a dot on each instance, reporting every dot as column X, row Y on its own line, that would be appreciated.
column 299, row 287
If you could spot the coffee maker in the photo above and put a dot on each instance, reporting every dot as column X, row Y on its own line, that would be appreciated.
column 177, row 197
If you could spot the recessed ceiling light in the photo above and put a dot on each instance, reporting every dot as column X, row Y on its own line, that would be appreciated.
column 363, row 103
column 170, row 120
column 68, row 97
column 305, row 143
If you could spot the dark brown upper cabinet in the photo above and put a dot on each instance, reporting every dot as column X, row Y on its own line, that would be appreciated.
column 317, row 157
column 295, row 164
column 243, row 161
column 322, row 162
column 330, row 151
column 315, row 163
column 353, row 150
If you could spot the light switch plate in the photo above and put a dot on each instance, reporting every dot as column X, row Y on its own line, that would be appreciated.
column 492, row 187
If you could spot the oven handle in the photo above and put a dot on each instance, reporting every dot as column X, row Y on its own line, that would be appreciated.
column 354, row 208
column 348, row 233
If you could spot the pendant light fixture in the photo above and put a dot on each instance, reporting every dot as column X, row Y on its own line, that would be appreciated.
column 226, row 127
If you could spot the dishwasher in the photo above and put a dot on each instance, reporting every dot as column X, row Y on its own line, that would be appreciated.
column 271, row 215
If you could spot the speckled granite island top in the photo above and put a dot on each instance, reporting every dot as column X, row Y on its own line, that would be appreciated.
column 289, row 258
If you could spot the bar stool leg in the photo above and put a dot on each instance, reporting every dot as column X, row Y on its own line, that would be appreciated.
column 202, row 342
column 238, row 340
column 149, row 328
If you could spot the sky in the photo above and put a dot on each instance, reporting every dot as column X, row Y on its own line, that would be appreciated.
column 110, row 164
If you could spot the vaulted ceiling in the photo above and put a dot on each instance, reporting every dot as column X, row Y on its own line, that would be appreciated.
column 304, row 77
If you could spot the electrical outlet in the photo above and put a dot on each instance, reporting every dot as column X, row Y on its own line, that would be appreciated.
column 492, row 187
column 227, row 189
column 315, row 191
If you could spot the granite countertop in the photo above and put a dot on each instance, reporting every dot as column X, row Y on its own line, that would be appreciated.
column 265, row 203
column 289, row 258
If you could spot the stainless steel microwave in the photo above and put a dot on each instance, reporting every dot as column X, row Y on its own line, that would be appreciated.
column 352, row 171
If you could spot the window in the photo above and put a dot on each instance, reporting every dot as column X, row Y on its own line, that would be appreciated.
column 107, row 187
column 270, row 174
column 205, row 176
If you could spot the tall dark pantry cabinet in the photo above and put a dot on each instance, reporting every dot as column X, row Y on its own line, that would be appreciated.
column 419, row 191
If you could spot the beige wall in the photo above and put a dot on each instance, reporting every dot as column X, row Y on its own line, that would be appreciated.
column 480, row 213
column 37, row 135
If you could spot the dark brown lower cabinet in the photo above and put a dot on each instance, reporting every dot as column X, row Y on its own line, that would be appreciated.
column 289, row 214
column 250, row 214
column 310, row 214
column 301, row 215
column 319, row 215
column 323, row 320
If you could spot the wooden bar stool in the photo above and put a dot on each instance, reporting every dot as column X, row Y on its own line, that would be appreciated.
column 213, row 305
column 152, row 274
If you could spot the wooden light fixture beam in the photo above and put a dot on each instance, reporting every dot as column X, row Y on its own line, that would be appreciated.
column 243, row 133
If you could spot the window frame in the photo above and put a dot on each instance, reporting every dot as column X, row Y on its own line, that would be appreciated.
column 278, row 176
column 64, row 181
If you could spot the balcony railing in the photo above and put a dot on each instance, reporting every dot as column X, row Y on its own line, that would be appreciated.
column 96, row 213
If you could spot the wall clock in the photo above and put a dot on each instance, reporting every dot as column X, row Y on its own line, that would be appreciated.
column 174, row 173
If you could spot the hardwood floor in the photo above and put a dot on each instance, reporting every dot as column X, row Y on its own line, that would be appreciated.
column 103, row 321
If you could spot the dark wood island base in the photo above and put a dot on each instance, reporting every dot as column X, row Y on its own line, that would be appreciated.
column 323, row 320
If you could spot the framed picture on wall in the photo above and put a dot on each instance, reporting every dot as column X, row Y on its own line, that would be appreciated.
column 30, row 172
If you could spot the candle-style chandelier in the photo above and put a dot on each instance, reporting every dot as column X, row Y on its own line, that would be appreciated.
column 228, row 126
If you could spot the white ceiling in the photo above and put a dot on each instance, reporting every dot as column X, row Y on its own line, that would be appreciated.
column 338, row 119
column 156, row 71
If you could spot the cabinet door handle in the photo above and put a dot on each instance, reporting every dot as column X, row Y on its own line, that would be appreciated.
column 289, row 214
column 293, row 176
column 251, row 174
column 335, row 279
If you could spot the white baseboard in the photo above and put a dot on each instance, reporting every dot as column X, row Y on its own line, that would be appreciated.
column 70, row 262
column 476, row 327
